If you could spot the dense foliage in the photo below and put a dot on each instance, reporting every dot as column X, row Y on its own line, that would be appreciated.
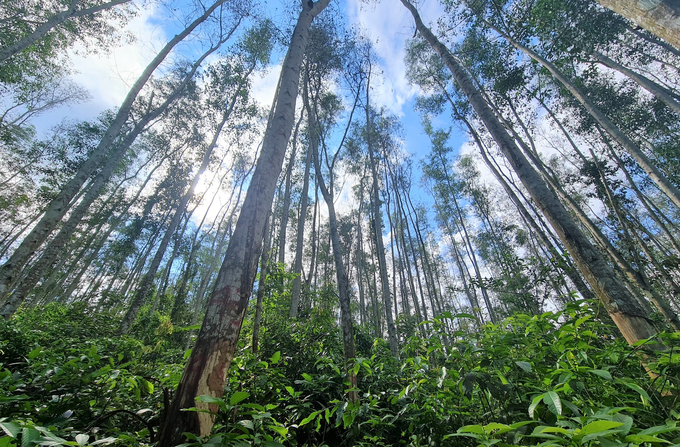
column 559, row 378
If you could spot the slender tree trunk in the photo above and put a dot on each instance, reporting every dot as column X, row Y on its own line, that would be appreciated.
column 297, row 268
column 617, row 301
column 261, row 287
column 379, row 245
column 207, row 368
column 649, row 85
column 107, row 148
column 53, row 21
column 631, row 147
column 286, row 195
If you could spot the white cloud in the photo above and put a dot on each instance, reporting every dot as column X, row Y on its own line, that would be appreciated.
column 389, row 25
column 264, row 86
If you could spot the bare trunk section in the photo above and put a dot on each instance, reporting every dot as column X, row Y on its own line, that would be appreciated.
column 207, row 367
column 616, row 299
column 659, row 17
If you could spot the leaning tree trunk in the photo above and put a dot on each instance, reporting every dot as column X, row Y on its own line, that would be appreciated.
column 48, row 25
column 206, row 371
column 629, row 145
column 106, row 149
column 659, row 17
column 616, row 299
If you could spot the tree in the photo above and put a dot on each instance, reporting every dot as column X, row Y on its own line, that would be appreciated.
column 209, row 362
column 619, row 303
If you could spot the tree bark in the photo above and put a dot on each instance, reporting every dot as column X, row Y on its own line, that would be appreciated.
column 659, row 17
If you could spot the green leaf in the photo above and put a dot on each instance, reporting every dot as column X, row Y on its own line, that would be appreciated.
column 276, row 357
column 602, row 373
column 105, row 441
column 309, row 418
column 283, row 431
column 238, row 397
column 639, row 439
column 247, row 424
column 526, row 366
column 471, row 429
column 307, row 377
column 635, row 387
column 552, row 400
column 10, row 428
column 29, row 436
column 534, row 404
column 290, row 390
column 599, row 426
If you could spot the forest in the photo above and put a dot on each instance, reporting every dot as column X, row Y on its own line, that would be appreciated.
column 492, row 261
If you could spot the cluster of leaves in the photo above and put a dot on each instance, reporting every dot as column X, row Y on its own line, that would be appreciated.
column 560, row 378
column 66, row 380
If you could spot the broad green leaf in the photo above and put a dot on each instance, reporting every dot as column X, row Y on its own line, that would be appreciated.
column 247, row 424
column 534, row 404
column 309, row 418
column 283, row 431
column 602, row 373
column 29, row 436
column 561, row 430
column 10, row 428
column 238, row 397
column 307, row 377
column 290, row 390
column 599, row 426
column 276, row 357
column 471, row 429
column 105, row 441
column 552, row 400
column 635, row 387
column 526, row 366
column 639, row 439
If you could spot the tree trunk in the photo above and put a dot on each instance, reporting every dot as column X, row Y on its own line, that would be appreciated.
column 206, row 370
column 60, row 205
column 617, row 301
column 649, row 85
column 297, row 267
column 631, row 147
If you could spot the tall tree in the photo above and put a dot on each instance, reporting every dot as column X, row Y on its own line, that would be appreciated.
column 207, row 367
